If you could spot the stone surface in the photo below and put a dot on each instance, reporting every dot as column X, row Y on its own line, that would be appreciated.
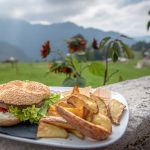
column 137, row 136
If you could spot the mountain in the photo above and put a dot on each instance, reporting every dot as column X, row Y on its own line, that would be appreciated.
column 143, row 38
column 8, row 50
column 29, row 37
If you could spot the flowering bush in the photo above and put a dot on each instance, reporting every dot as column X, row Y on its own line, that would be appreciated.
column 73, row 69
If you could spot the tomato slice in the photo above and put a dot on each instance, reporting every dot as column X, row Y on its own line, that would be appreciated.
column 3, row 110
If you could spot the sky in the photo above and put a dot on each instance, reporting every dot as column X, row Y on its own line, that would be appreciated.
column 125, row 16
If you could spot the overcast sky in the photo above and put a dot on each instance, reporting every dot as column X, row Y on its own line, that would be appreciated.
column 126, row 16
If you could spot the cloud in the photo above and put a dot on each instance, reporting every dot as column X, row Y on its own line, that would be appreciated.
column 125, row 16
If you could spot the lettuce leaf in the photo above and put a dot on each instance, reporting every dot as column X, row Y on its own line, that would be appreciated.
column 32, row 113
column 52, row 99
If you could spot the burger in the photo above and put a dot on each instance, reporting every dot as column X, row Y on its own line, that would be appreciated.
column 24, row 101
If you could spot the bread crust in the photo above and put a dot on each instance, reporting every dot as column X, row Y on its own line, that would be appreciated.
column 23, row 93
column 8, row 120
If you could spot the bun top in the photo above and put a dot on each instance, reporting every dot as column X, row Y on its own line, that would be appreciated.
column 23, row 93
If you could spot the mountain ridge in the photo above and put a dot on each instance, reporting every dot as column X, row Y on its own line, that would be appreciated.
column 30, row 37
column 8, row 50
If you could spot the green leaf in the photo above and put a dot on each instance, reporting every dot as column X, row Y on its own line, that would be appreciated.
column 115, row 51
column 56, row 65
column 109, row 48
column 68, row 60
column 32, row 113
column 97, row 68
column 81, row 81
column 76, row 64
column 29, row 113
column 103, row 42
column 116, row 47
column 69, row 82
column 148, row 25
column 114, row 56
column 126, row 49
column 51, row 100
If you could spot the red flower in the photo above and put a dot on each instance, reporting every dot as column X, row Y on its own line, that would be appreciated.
column 45, row 49
column 94, row 44
column 76, row 43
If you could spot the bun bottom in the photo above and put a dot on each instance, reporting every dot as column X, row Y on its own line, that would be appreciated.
column 8, row 119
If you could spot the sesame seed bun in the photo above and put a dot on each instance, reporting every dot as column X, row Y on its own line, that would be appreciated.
column 23, row 93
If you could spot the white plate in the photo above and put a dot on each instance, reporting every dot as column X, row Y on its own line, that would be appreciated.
column 74, row 142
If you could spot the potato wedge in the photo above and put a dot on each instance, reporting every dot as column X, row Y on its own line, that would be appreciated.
column 57, row 121
column 79, row 111
column 89, row 129
column 102, row 120
column 90, row 103
column 75, row 101
column 61, row 122
column 102, row 108
column 82, row 100
column 75, row 89
column 84, row 91
column 63, row 102
column 103, row 94
column 116, row 110
column 50, row 131
column 52, row 111
column 76, row 133
column 89, row 116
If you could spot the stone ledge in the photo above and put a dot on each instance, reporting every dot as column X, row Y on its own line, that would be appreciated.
column 137, row 136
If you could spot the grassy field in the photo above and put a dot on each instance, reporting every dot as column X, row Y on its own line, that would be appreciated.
column 37, row 72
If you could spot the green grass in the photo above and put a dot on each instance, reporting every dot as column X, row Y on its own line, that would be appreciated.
column 37, row 72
